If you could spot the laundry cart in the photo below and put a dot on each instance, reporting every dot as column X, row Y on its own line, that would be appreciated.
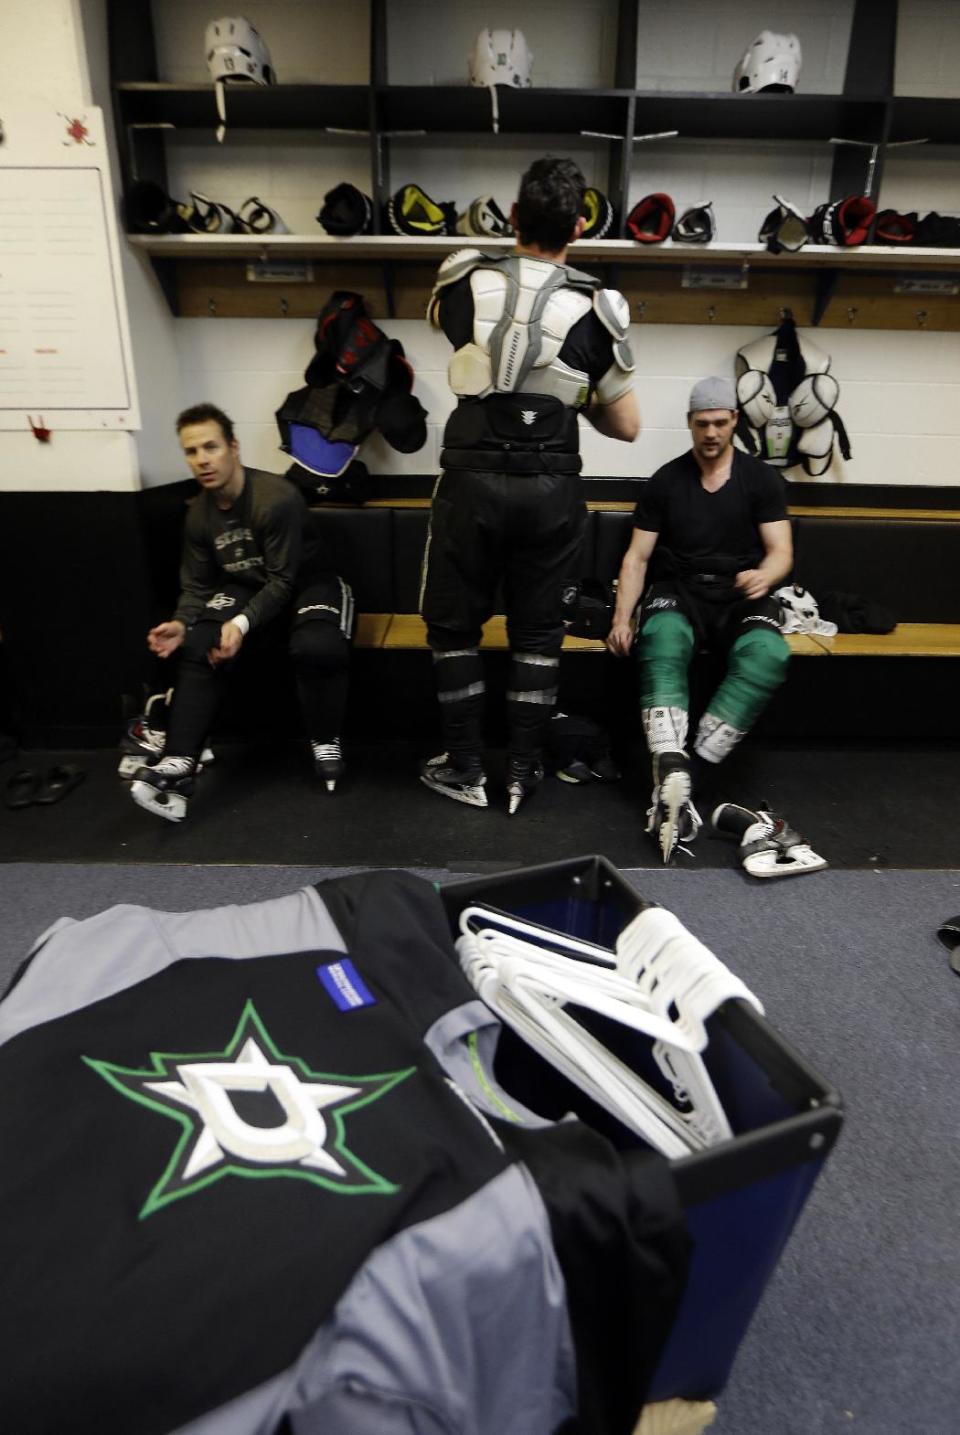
column 741, row 1197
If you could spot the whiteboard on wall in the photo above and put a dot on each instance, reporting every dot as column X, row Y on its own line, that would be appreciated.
column 65, row 357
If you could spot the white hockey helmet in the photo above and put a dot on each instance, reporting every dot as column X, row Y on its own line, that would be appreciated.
column 501, row 57
column 772, row 62
column 236, row 52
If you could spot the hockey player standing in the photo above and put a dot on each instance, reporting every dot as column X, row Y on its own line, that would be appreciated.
column 251, row 572
column 535, row 343
column 712, row 526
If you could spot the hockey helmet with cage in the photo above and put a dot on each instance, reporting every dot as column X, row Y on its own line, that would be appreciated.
column 501, row 57
column 771, row 64
column 236, row 52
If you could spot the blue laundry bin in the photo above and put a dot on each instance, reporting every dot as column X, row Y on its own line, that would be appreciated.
column 741, row 1198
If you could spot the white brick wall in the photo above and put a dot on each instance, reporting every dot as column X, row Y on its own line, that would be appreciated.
column 900, row 391
column 695, row 45
column 928, row 48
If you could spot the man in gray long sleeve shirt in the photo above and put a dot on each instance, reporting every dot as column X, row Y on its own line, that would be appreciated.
column 250, row 566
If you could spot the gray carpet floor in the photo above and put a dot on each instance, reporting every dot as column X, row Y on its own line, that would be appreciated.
column 858, row 1328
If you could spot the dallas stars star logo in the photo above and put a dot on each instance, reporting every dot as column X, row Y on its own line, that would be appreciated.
column 197, row 1091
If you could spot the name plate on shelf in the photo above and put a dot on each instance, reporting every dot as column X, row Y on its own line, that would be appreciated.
column 695, row 277
column 927, row 284
column 263, row 271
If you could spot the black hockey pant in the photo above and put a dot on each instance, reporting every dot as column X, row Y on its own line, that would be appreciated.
column 490, row 532
column 317, row 627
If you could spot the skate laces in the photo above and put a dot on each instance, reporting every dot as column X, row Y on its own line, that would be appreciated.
column 176, row 766
column 327, row 751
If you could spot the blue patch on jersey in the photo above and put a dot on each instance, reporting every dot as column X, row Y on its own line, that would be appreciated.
column 345, row 985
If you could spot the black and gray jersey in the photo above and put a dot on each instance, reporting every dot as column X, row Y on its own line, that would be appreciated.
column 245, row 1179
column 264, row 542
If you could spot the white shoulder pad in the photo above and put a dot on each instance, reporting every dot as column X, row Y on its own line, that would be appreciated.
column 757, row 355
column 813, row 400
column 815, row 361
column 613, row 311
column 562, row 310
column 756, row 397
column 456, row 266
column 816, row 448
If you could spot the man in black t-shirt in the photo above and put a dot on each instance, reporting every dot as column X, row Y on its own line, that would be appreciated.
column 535, row 343
column 712, row 528
column 251, row 572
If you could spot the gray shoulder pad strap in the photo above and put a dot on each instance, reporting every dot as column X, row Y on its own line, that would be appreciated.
column 555, row 280
column 576, row 279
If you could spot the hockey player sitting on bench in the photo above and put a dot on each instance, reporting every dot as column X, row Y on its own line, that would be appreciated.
column 712, row 527
column 251, row 573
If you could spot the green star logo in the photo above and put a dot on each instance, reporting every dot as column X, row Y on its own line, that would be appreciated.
column 200, row 1091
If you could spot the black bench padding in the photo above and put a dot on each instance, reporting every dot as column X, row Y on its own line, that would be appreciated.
column 908, row 565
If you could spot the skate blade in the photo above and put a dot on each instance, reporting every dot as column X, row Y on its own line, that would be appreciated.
column 674, row 792
column 171, row 805
column 796, row 862
column 515, row 795
column 331, row 784
column 472, row 796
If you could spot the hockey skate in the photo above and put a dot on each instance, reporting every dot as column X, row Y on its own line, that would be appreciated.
column 672, row 817
column 467, row 785
column 523, row 778
column 328, row 763
column 769, row 847
column 164, row 788
column 145, row 737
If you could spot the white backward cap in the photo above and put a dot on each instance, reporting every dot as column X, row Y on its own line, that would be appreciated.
column 712, row 393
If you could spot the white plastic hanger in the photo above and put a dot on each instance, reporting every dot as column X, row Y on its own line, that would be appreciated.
column 660, row 980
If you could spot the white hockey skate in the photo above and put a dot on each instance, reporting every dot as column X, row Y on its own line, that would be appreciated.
column 769, row 846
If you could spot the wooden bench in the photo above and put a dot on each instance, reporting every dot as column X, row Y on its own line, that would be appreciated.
column 406, row 631
column 836, row 547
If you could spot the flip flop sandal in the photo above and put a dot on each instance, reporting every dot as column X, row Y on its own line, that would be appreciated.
column 21, row 789
column 60, row 779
